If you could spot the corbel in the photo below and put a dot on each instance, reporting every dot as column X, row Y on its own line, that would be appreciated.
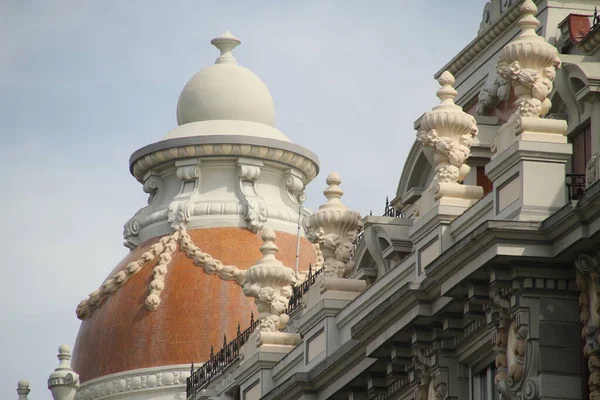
column 131, row 229
column 182, row 207
column 294, row 181
column 256, row 209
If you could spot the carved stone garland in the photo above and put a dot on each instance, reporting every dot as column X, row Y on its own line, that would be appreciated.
column 270, row 283
column 449, row 132
column 513, row 357
column 334, row 228
column 588, row 282
column 530, row 63
column 163, row 250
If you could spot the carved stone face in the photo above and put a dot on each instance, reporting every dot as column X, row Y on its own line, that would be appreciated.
column 344, row 251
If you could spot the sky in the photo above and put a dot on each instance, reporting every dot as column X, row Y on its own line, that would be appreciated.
column 83, row 84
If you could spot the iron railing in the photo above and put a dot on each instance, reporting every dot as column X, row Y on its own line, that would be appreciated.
column 299, row 290
column 391, row 211
column 575, row 185
column 217, row 363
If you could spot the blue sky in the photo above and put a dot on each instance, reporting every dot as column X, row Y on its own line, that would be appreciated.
column 83, row 84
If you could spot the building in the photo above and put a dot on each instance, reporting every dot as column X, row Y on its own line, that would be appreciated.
column 481, row 280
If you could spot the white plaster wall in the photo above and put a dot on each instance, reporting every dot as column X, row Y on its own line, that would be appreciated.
column 218, row 200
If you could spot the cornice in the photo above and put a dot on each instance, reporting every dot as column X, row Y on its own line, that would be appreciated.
column 481, row 42
column 135, row 381
column 293, row 155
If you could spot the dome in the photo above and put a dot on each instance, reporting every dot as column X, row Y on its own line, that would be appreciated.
column 225, row 91
column 122, row 335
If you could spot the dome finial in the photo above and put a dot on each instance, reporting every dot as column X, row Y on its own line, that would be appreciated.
column 226, row 43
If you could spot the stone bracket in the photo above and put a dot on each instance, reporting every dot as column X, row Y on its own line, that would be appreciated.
column 256, row 209
column 182, row 207
column 131, row 229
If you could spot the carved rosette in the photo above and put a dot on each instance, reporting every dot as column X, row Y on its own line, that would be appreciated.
column 449, row 132
column 530, row 63
column 334, row 228
column 270, row 283
column 588, row 282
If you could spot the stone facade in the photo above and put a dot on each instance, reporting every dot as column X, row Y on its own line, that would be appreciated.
column 485, row 286
column 482, row 284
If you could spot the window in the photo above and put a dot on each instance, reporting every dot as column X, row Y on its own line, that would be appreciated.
column 483, row 180
column 582, row 150
column 482, row 384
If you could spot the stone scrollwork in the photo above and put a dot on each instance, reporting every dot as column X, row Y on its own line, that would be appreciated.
column 182, row 207
column 334, row 228
column 530, row 63
column 256, row 208
column 132, row 227
column 588, row 283
column 515, row 359
column 294, row 185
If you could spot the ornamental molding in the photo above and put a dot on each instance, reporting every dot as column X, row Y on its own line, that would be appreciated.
column 182, row 207
column 264, row 152
column 132, row 227
column 256, row 212
column 592, row 170
column 172, row 378
column 294, row 185
column 588, row 283
column 516, row 353
column 489, row 31
column 431, row 374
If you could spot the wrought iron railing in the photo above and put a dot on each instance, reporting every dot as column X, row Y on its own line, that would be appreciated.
column 391, row 211
column 299, row 290
column 217, row 363
column 199, row 378
column 575, row 185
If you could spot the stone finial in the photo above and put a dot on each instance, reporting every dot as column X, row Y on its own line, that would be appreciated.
column 333, row 192
column 530, row 63
column 23, row 389
column 63, row 382
column 448, row 130
column 226, row 43
column 334, row 228
column 270, row 283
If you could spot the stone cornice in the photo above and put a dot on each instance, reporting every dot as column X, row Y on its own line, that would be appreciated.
column 138, row 381
column 144, row 159
column 481, row 42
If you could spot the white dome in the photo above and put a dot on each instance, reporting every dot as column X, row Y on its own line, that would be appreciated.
column 225, row 91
